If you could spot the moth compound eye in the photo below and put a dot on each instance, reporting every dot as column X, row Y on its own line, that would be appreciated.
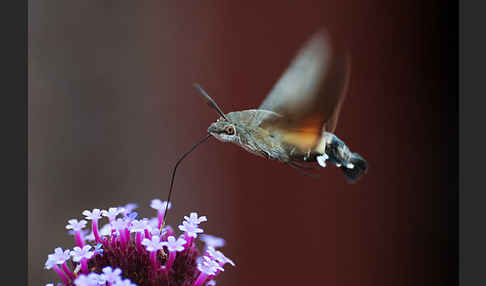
column 230, row 130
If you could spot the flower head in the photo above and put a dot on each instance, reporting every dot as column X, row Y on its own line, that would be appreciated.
column 95, row 214
column 194, row 219
column 111, row 213
column 111, row 276
column 79, row 253
column 159, row 205
column 175, row 245
column 76, row 225
column 153, row 244
column 59, row 256
column 190, row 229
column 212, row 241
column 117, row 258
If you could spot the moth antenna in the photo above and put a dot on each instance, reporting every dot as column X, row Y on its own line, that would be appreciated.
column 173, row 176
column 211, row 102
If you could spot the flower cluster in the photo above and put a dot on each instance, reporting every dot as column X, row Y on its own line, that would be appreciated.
column 127, row 251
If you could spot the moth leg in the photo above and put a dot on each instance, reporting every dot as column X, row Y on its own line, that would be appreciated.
column 301, row 170
column 304, row 166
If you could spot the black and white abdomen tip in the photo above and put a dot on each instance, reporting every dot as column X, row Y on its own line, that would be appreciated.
column 351, row 164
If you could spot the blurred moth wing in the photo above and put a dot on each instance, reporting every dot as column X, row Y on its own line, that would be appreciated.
column 309, row 94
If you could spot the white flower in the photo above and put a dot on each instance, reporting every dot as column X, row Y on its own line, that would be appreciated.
column 211, row 283
column 109, row 275
column 79, row 253
column 92, row 279
column 49, row 262
column 59, row 256
column 111, row 213
column 175, row 245
column 95, row 214
column 159, row 205
column 190, row 229
column 212, row 241
column 208, row 266
column 153, row 244
column 76, row 225
column 194, row 219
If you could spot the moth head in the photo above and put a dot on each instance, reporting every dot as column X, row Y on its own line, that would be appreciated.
column 223, row 130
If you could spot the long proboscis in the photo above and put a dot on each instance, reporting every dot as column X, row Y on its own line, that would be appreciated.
column 211, row 102
column 173, row 176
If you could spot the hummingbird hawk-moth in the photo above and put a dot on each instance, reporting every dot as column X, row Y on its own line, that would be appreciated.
column 296, row 121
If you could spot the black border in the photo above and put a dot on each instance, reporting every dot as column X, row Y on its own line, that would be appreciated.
column 472, row 198
column 13, row 23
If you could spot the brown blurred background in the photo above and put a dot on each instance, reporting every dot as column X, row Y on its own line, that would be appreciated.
column 111, row 108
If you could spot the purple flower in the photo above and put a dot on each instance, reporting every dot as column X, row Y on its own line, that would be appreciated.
column 119, row 259
column 194, row 219
column 174, row 246
column 212, row 241
column 190, row 229
column 76, row 225
column 79, row 253
column 111, row 276
column 153, row 245
column 207, row 267
column 211, row 283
